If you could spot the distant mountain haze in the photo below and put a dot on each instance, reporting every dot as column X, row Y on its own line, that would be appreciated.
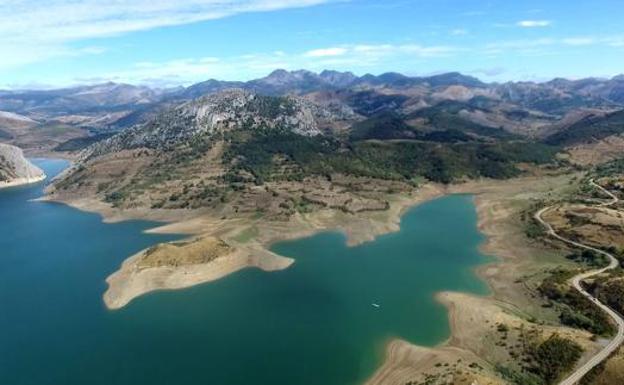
column 421, row 104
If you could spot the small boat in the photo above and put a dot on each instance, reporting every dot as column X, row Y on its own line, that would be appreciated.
column 376, row 305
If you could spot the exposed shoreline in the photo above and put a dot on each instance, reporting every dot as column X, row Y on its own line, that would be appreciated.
column 130, row 282
column 402, row 357
column 22, row 181
column 470, row 316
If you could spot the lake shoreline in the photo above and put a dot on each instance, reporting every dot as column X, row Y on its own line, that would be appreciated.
column 472, row 317
column 489, row 201
column 128, row 281
column 22, row 181
column 426, row 358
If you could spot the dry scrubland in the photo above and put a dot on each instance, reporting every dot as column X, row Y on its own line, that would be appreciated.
column 239, row 171
column 585, row 217
column 501, row 330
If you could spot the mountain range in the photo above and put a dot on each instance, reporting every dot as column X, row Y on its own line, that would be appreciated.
column 217, row 140
column 533, row 105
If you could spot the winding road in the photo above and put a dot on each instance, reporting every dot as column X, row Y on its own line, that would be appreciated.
column 576, row 282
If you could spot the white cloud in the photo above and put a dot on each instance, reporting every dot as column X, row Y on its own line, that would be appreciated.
column 323, row 52
column 459, row 32
column 382, row 50
column 354, row 57
column 92, row 50
column 490, row 72
column 36, row 30
column 533, row 23
column 615, row 41
column 579, row 41
column 521, row 44
column 547, row 44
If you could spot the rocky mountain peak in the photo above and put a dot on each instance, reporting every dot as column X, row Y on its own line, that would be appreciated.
column 223, row 111
column 337, row 78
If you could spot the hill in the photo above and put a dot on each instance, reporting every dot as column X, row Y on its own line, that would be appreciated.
column 236, row 148
column 590, row 128
column 15, row 169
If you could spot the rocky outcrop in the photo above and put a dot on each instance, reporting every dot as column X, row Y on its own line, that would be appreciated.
column 219, row 113
column 15, row 169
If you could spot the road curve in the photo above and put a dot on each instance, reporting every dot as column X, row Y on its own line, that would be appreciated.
column 576, row 282
column 613, row 200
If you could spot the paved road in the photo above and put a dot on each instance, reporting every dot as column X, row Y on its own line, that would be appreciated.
column 576, row 282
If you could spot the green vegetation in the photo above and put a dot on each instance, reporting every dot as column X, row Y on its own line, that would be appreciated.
column 447, row 136
column 554, row 357
column 590, row 128
column 369, row 103
column 610, row 292
column 575, row 309
column 611, row 168
column 255, row 153
column 78, row 144
column 259, row 141
column 518, row 377
column 589, row 257
column 598, row 370
column 115, row 197
column 533, row 229
column 385, row 125
column 445, row 116
column 502, row 328
column 389, row 125
column 401, row 160
column 544, row 362
column 559, row 104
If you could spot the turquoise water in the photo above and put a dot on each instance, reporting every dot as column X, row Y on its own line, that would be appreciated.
column 313, row 323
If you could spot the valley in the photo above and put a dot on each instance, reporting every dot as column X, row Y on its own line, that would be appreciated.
column 237, row 167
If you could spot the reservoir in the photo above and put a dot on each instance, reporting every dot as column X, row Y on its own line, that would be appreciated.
column 324, row 321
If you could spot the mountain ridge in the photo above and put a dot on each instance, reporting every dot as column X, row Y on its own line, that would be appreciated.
column 527, row 109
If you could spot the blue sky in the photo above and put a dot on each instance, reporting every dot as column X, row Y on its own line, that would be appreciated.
column 178, row 42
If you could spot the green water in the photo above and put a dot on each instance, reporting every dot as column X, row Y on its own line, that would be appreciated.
column 313, row 323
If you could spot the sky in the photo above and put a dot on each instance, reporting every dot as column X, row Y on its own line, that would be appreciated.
column 166, row 43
